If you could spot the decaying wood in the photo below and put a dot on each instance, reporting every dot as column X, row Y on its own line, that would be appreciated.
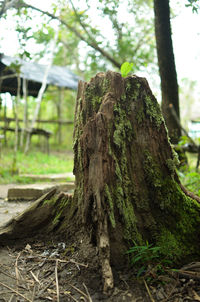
column 37, row 218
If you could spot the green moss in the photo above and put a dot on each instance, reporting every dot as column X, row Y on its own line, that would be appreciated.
column 153, row 110
column 56, row 218
column 123, row 128
column 94, row 93
column 171, row 164
column 140, row 115
column 171, row 248
column 180, row 232
column 132, row 88
column 152, row 171
column 60, row 208
column 111, row 206
column 50, row 201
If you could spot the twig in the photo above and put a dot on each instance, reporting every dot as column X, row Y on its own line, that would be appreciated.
column 33, row 293
column 45, row 288
column 72, row 297
column 77, row 263
column 68, row 261
column 148, row 291
column 16, row 269
column 86, row 289
column 169, row 297
column 36, row 279
column 11, row 298
column 34, row 287
column 14, row 291
column 57, row 285
column 78, row 290
column 189, row 274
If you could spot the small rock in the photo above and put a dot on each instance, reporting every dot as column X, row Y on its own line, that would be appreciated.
column 160, row 294
column 183, row 280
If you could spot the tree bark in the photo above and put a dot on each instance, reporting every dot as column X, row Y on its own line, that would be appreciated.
column 167, row 68
column 127, row 190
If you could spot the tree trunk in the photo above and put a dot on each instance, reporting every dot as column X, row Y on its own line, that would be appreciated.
column 167, row 68
column 127, row 190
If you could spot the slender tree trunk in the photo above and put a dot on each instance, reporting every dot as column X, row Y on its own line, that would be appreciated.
column 5, row 124
column 167, row 68
column 127, row 190
column 59, row 115
column 25, row 119
column 40, row 94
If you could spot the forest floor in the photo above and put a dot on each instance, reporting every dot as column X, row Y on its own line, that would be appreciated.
column 53, row 269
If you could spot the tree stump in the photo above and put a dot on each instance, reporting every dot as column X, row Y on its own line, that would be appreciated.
column 127, row 189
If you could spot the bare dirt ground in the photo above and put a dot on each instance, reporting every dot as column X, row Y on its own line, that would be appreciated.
column 38, row 270
column 54, row 269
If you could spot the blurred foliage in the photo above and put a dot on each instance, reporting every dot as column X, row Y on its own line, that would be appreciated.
column 194, row 4
column 188, row 176
column 124, row 30
column 35, row 162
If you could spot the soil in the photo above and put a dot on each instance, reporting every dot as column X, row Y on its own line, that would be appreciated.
column 53, row 269
column 38, row 270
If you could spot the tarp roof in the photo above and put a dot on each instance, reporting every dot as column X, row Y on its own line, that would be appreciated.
column 34, row 73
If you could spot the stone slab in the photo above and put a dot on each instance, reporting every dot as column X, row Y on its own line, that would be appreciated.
column 34, row 191
column 50, row 177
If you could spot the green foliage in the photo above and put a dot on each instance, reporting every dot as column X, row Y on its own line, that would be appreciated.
column 145, row 256
column 191, row 181
column 183, row 141
column 126, row 68
column 194, row 4
column 33, row 163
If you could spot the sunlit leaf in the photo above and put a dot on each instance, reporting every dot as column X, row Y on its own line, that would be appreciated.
column 126, row 68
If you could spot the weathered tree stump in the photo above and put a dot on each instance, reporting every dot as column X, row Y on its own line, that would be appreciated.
column 127, row 190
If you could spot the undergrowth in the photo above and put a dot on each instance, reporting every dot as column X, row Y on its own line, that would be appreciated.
column 148, row 261
column 188, row 175
column 34, row 162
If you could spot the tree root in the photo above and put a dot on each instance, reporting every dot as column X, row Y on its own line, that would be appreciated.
column 104, row 253
column 189, row 194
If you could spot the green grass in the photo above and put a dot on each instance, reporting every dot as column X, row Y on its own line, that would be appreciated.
column 188, row 175
column 34, row 162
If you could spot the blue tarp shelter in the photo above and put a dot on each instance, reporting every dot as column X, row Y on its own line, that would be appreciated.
column 33, row 72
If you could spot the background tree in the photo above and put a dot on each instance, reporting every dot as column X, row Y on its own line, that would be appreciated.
column 167, row 68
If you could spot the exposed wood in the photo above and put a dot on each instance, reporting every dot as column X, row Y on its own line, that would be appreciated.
column 36, row 219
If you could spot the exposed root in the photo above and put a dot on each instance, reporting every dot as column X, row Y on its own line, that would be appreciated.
column 104, row 253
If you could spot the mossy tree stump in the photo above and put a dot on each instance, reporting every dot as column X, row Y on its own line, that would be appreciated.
column 127, row 190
